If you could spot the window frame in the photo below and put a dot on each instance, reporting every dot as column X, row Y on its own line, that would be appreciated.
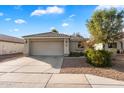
column 112, row 45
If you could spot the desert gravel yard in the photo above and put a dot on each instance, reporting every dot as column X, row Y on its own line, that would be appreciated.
column 79, row 66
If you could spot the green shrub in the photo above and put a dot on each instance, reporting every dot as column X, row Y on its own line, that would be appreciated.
column 98, row 58
column 76, row 54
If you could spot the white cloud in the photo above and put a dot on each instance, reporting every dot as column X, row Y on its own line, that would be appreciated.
column 54, row 9
column 16, row 29
column 49, row 10
column 20, row 21
column 69, row 18
column 65, row 24
column 1, row 14
column 72, row 15
column 102, row 7
column 38, row 12
column 8, row 19
column 52, row 28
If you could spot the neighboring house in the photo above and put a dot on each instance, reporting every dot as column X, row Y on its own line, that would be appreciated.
column 51, row 44
column 10, row 45
column 117, row 46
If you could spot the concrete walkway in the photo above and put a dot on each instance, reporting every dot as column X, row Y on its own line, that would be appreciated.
column 102, row 82
column 24, row 80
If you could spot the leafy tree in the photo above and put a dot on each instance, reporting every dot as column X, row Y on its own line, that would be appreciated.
column 54, row 30
column 105, row 26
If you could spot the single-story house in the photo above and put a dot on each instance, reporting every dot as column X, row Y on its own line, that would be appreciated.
column 51, row 44
column 116, row 47
column 10, row 45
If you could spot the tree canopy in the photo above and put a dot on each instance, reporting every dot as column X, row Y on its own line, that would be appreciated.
column 54, row 30
column 106, row 25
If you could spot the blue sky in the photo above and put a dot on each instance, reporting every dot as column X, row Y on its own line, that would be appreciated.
column 25, row 20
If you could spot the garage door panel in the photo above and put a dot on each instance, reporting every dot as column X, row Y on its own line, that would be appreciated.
column 47, row 48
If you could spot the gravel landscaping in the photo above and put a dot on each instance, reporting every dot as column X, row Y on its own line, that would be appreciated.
column 79, row 66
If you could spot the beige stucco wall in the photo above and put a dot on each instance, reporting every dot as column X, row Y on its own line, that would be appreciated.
column 10, row 48
column 118, row 45
column 74, row 47
column 0, row 48
column 123, row 42
column 26, row 47
column 47, row 39
column 66, row 47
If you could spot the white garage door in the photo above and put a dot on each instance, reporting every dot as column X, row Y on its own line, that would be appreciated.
column 47, row 48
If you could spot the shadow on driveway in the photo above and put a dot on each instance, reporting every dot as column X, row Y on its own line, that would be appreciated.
column 8, row 57
column 54, row 61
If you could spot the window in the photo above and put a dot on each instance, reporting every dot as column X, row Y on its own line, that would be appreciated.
column 112, row 45
column 80, row 45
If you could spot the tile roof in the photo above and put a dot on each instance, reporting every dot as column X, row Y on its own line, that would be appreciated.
column 76, row 38
column 47, row 34
column 10, row 39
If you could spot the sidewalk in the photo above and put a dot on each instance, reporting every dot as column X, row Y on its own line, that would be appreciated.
column 30, row 80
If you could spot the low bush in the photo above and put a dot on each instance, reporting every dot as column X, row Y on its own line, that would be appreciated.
column 98, row 58
column 76, row 54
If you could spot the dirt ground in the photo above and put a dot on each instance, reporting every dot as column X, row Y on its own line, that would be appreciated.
column 79, row 65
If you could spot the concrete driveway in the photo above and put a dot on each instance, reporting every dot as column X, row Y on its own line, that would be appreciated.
column 43, row 72
column 32, row 65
